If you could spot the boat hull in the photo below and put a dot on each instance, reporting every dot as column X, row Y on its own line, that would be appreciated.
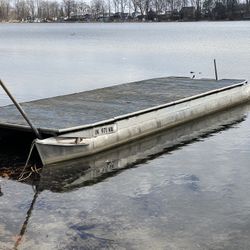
column 132, row 126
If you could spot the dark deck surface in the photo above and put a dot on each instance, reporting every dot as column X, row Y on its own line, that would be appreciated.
column 101, row 104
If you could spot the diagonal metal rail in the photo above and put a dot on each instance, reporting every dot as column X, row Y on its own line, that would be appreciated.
column 20, row 109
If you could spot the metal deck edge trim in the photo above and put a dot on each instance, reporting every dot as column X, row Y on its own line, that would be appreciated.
column 112, row 120
column 27, row 128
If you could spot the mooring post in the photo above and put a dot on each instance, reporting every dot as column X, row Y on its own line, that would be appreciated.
column 215, row 70
column 20, row 109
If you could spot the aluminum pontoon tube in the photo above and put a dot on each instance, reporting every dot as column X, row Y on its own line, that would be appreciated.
column 139, row 124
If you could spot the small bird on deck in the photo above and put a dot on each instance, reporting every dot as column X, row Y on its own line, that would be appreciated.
column 193, row 74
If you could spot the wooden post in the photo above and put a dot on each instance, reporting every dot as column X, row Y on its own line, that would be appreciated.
column 20, row 109
column 215, row 70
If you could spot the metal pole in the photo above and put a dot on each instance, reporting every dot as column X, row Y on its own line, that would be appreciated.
column 21, row 110
column 215, row 70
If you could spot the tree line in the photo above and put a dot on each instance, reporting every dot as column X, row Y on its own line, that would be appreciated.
column 122, row 10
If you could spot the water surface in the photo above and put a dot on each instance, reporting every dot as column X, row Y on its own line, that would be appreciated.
column 182, row 189
column 41, row 60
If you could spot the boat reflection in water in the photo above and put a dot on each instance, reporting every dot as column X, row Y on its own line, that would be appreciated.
column 66, row 176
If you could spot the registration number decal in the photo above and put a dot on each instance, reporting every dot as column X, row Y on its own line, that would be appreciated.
column 109, row 129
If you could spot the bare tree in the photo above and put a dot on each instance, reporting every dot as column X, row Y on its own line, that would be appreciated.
column 21, row 9
column 134, row 4
column 4, row 10
column 144, row 6
column 116, row 4
column 54, row 10
column 124, row 5
column 68, row 6
column 83, row 7
column 159, row 6
column 98, row 7
column 51, row 9
column 31, row 6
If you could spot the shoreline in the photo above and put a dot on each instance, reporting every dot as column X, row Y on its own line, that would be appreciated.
column 120, row 22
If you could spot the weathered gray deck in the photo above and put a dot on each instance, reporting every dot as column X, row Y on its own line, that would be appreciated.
column 52, row 114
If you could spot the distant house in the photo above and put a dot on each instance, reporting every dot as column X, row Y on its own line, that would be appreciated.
column 151, row 15
column 165, row 16
column 187, row 13
column 175, row 15
column 105, row 17
column 246, row 16
column 79, row 17
column 75, row 17
column 134, row 15
column 87, row 17
column 120, row 16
